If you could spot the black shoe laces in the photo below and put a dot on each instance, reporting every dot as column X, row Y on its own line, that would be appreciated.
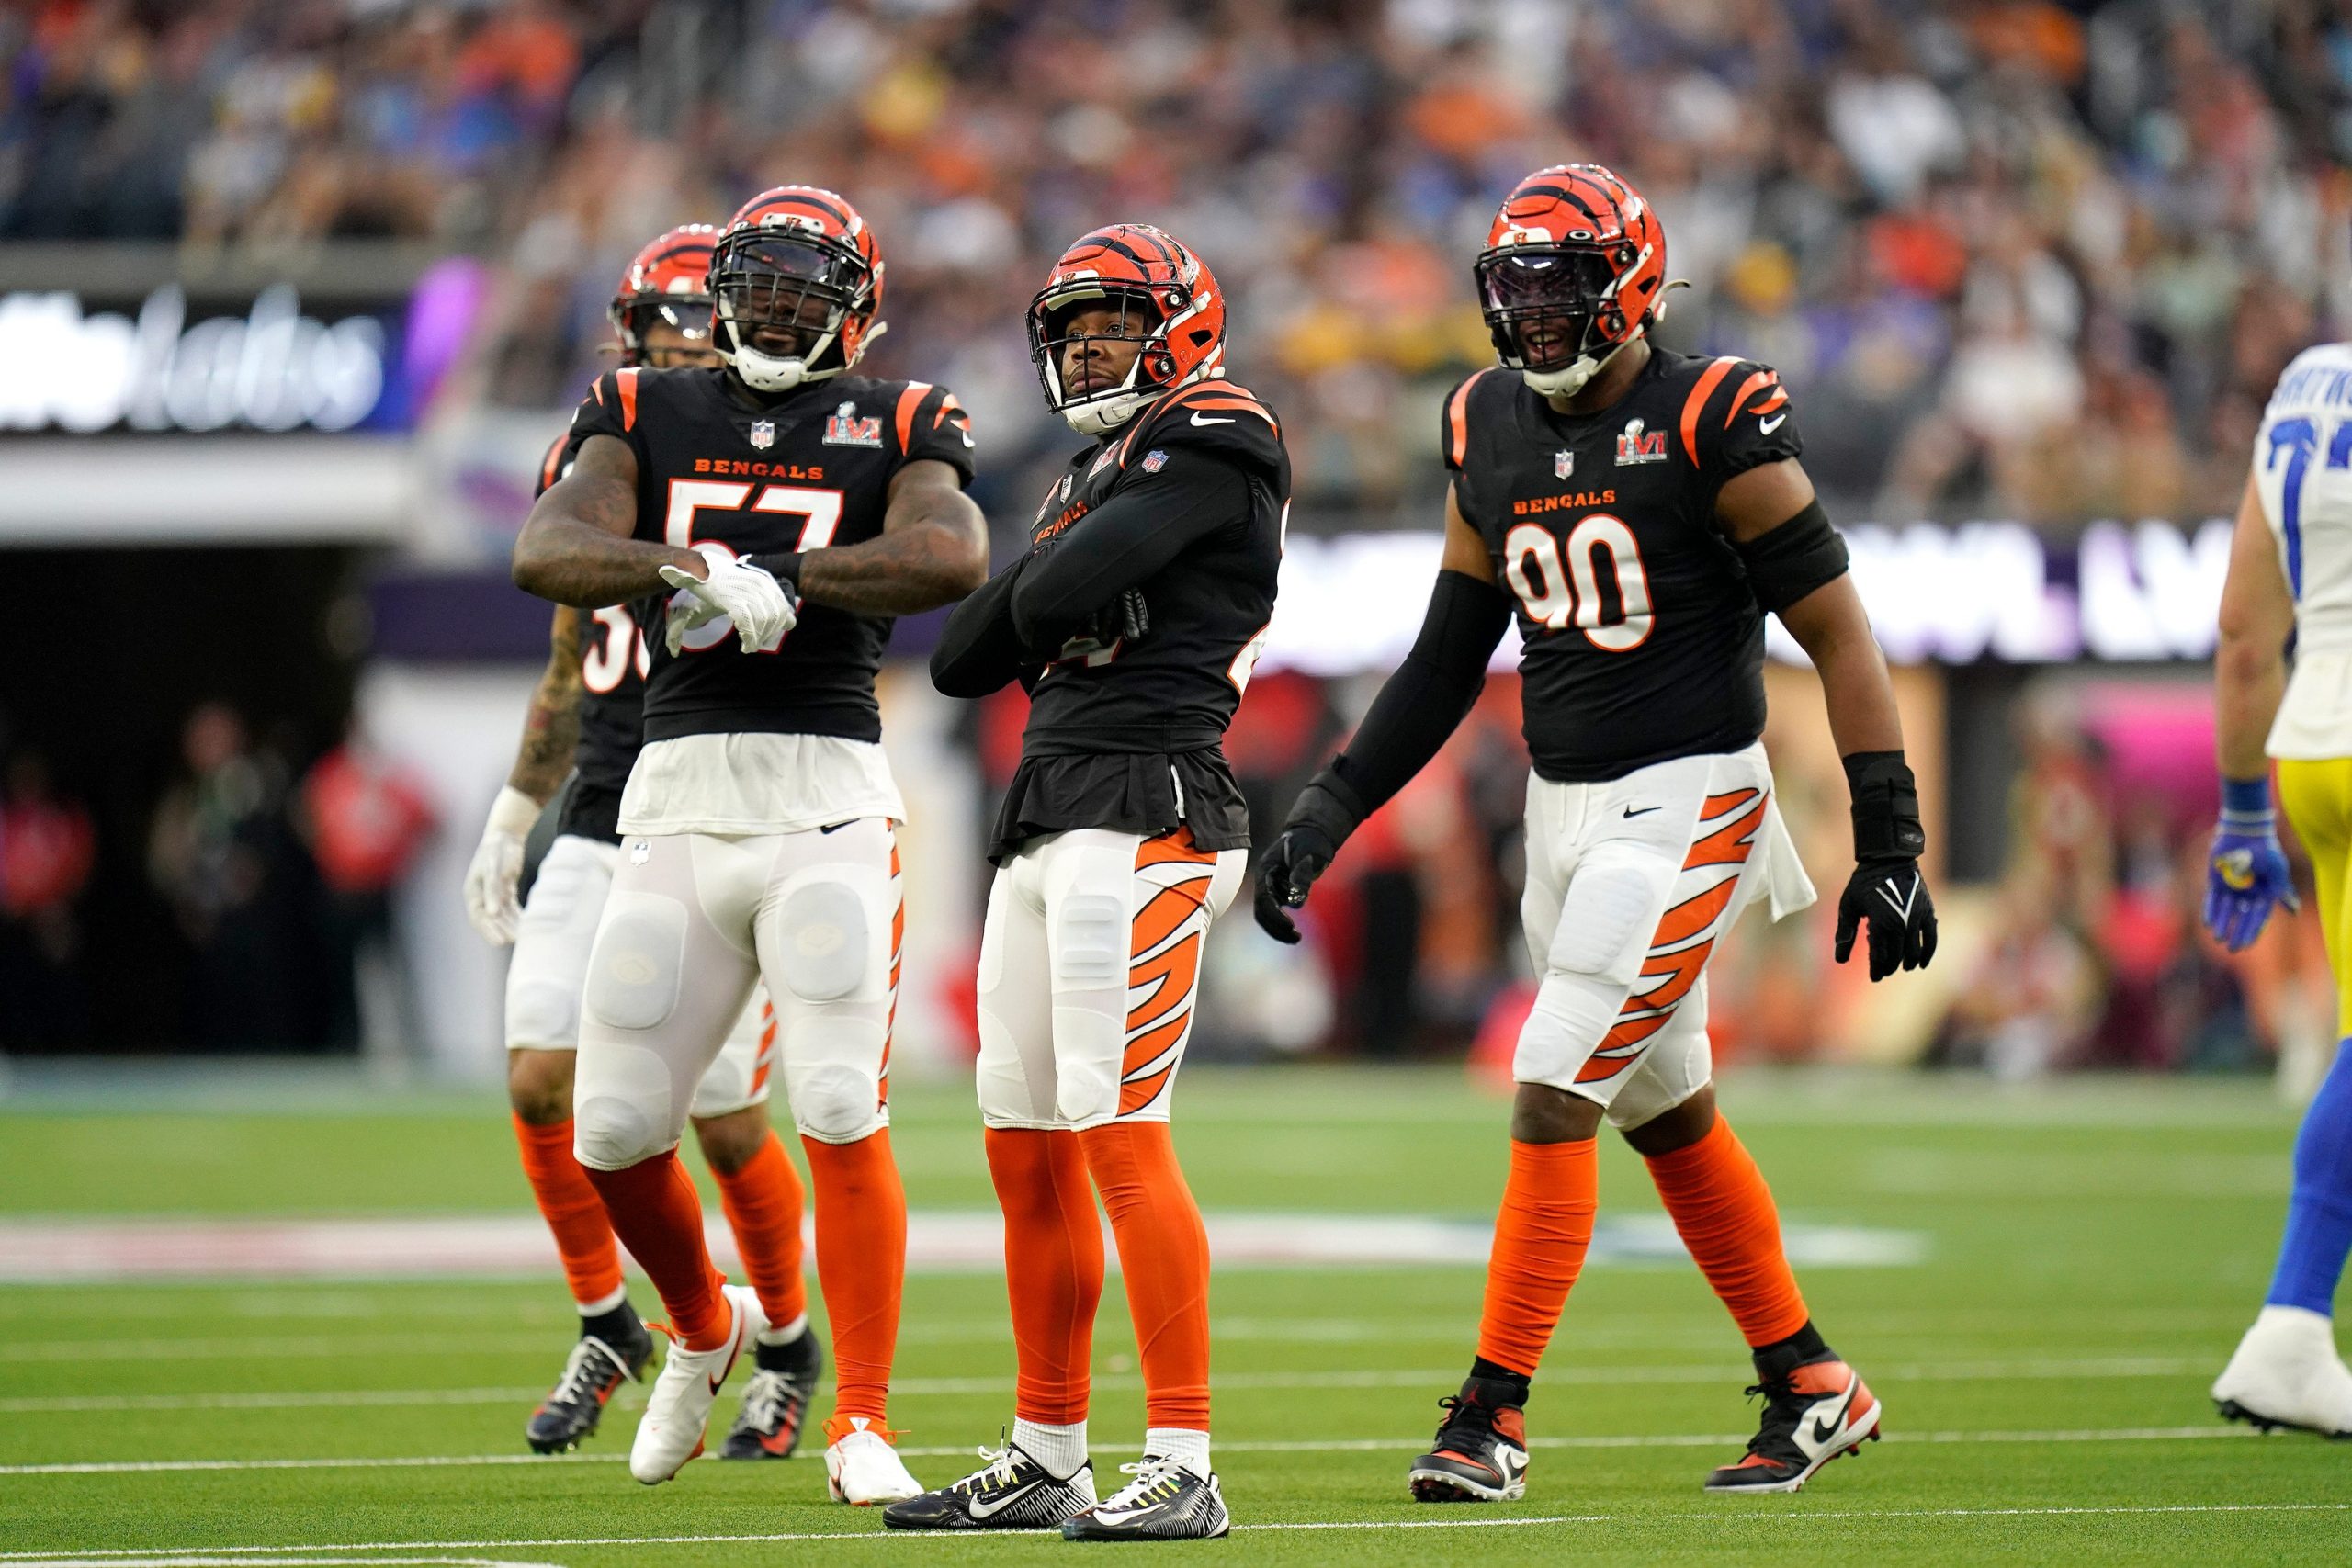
column 1465, row 1415
column 767, row 1399
column 1784, row 1409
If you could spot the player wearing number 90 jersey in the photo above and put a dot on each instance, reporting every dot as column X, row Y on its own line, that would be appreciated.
column 1640, row 511
column 768, row 519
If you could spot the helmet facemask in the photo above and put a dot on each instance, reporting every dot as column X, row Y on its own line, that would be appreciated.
column 1137, row 318
column 808, row 296
column 1553, row 313
column 633, row 316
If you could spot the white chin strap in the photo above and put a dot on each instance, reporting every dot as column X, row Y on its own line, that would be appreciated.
column 1108, row 411
column 770, row 373
column 1569, row 379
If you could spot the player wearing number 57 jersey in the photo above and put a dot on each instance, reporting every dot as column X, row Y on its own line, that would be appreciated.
column 1640, row 512
column 768, row 519
column 586, row 717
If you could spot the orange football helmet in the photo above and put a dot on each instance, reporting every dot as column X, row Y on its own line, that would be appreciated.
column 1166, row 297
column 795, row 278
column 1573, row 271
column 668, row 281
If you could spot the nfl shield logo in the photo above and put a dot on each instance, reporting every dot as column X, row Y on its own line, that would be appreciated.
column 1154, row 461
column 763, row 434
column 1564, row 463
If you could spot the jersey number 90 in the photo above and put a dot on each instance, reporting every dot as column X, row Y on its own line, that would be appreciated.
column 1558, row 580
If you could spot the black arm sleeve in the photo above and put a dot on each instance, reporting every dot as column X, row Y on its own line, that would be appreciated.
column 1132, row 535
column 1426, row 700
column 1791, row 559
column 978, row 650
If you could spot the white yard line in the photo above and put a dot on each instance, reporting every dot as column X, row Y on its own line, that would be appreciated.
column 1347, row 1445
column 1946, row 1371
column 278, row 1556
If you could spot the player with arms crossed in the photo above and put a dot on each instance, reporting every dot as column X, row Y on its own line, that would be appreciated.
column 2290, row 575
column 780, row 495
column 589, row 709
column 1643, row 511
column 1134, row 620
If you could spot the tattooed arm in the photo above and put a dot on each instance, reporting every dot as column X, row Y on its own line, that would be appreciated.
column 551, row 732
column 575, row 548
column 934, row 549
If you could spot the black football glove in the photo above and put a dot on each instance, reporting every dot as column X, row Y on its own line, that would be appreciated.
column 1320, row 819
column 1126, row 617
column 1886, row 892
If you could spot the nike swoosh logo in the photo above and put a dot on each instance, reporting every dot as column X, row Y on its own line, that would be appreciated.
column 1645, row 811
column 1769, row 425
column 981, row 1510
column 1201, row 419
column 1824, row 1427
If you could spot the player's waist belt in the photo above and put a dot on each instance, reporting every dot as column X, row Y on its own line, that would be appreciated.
column 1091, row 739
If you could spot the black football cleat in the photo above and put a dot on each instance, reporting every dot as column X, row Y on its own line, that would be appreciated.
column 596, row 1366
column 1012, row 1492
column 1480, row 1454
column 1811, row 1416
column 775, row 1401
column 1164, row 1502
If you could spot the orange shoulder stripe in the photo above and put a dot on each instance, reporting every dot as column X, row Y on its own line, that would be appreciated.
column 907, row 401
column 1708, row 383
column 546, row 469
column 627, row 381
column 947, row 405
column 1457, row 422
column 1748, row 389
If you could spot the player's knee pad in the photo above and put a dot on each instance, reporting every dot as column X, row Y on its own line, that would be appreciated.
column 1573, row 1012
column 833, row 1071
column 542, row 1011
column 1606, row 920
column 623, row 1109
column 1087, row 1056
column 1090, row 941
column 634, row 972
column 827, row 938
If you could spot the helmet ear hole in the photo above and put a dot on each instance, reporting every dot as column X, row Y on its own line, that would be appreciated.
column 1203, row 337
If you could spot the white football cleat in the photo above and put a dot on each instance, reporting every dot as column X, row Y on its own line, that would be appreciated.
column 677, row 1412
column 862, row 1468
column 2287, row 1373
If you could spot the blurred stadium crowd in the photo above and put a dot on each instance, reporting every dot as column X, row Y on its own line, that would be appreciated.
column 2019, row 260
column 2024, row 259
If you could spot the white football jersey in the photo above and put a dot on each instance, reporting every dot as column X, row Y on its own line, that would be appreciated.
column 2302, row 468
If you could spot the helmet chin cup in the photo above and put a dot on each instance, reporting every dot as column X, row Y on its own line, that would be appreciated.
column 770, row 373
column 1564, row 382
column 1109, row 412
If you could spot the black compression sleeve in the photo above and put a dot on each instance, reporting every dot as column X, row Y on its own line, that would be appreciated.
column 1425, row 700
column 1135, row 533
column 1791, row 559
column 980, row 651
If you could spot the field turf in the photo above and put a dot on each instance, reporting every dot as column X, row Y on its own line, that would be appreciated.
column 2092, row 1249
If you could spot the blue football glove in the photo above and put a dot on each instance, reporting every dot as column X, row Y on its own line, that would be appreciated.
column 2247, row 873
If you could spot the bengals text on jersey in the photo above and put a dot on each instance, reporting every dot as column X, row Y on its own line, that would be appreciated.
column 1642, row 639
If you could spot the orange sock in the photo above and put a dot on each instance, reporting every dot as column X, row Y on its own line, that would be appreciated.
column 762, row 1203
column 1540, row 1241
column 1053, row 1268
column 861, row 1263
column 583, row 1236
column 1726, row 1214
column 1164, row 1257
column 658, row 1215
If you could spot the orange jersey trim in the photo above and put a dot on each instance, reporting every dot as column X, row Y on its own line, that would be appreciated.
column 546, row 469
column 1748, row 389
column 1708, row 381
column 627, row 381
column 1457, row 422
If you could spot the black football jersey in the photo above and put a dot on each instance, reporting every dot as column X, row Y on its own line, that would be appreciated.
column 806, row 471
column 612, row 697
column 1642, row 640
column 1130, row 735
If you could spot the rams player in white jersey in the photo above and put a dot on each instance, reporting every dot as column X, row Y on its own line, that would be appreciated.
column 2290, row 576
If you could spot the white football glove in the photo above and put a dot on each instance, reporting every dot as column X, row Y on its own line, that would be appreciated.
column 748, row 596
column 496, row 869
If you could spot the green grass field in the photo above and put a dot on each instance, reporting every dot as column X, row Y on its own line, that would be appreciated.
column 2091, row 1252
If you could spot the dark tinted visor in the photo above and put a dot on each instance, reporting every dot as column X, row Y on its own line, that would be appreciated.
column 1571, row 281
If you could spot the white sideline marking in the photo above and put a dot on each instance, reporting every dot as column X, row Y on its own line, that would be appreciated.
column 1337, row 1444
column 242, row 1555
column 76, row 1250
column 1947, row 1372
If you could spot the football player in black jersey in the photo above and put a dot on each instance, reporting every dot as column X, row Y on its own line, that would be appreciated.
column 1642, row 511
column 585, row 719
column 1134, row 620
column 768, row 519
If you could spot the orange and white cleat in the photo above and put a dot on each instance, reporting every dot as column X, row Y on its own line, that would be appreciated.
column 1811, row 1416
column 677, row 1413
column 861, row 1467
